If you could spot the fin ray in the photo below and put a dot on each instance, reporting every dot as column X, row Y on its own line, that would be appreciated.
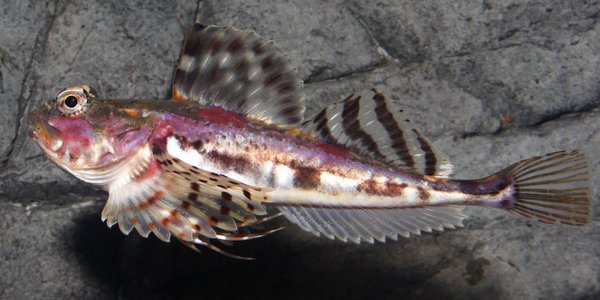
column 373, row 126
column 553, row 188
column 241, row 72
column 367, row 225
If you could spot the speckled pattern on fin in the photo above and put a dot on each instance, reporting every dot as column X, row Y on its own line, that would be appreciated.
column 239, row 71
column 376, row 127
column 367, row 225
column 225, row 200
column 169, row 198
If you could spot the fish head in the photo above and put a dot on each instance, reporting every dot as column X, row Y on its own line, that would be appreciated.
column 80, row 133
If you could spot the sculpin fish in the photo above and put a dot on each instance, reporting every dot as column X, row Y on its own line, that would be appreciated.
column 231, row 149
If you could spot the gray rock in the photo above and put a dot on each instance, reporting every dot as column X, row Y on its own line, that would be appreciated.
column 53, row 252
column 491, row 83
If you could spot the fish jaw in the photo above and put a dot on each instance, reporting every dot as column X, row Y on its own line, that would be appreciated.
column 91, row 139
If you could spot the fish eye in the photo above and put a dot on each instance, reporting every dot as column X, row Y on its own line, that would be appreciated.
column 73, row 101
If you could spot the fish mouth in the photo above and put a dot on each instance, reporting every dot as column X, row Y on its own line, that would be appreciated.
column 41, row 132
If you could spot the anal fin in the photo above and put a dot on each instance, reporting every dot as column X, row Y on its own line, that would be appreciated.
column 367, row 225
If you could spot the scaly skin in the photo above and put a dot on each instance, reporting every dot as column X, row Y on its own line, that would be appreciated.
column 298, row 168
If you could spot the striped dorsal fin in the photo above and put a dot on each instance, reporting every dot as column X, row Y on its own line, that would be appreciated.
column 241, row 72
column 374, row 126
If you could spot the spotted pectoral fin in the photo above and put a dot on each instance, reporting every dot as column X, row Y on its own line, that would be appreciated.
column 238, row 71
column 230, row 202
column 367, row 225
column 173, row 199
column 374, row 126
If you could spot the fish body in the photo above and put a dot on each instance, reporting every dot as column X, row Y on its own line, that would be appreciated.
column 230, row 148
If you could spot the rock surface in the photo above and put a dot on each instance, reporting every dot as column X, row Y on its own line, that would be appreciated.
column 490, row 82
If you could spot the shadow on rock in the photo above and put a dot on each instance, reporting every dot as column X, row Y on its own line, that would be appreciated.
column 290, row 264
column 94, row 247
column 289, row 268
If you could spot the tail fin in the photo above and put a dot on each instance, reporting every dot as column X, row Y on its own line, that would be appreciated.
column 553, row 188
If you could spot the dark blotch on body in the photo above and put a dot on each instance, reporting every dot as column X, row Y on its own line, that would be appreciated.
column 307, row 178
column 423, row 194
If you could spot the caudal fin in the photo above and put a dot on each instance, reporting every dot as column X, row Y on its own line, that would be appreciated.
column 553, row 188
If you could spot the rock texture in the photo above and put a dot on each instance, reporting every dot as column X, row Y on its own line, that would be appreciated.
column 491, row 82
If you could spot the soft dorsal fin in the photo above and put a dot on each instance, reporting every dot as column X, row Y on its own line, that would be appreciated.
column 241, row 72
column 374, row 126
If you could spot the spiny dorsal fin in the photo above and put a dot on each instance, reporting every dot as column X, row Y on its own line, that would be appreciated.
column 238, row 71
column 374, row 126
column 367, row 225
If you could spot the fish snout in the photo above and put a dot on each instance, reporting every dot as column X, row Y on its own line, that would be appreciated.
column 40, row 131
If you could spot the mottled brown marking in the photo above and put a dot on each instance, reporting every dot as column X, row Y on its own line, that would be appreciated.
column 133, row 220
column 157, row 150
column 196, row 227
column 202, row 180
column 197, row 144
column 181, row 235
column 213, row 221
column 250, row 207
column 247, row 195
column 174, row 213
column 267, row 62
column 225, row 210
column 423, row 194
column 186, row 205
column 258, row 49
column 374, row 188
column 242, row 67
column 165, row 222
column 221, row 186
column 151, row 225
column 238, row 164
column 272, row 78
column 215, row 44
column 285, row 87
column 195, row 186
column 152, row 200
column 396, row 189
column 226, row 196
column 235, row 45
column 193, row 197
column 307, row 178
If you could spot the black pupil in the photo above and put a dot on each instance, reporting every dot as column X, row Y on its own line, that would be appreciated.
column 71, row 101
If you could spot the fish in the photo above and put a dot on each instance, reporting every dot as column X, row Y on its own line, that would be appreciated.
column 231, row 149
